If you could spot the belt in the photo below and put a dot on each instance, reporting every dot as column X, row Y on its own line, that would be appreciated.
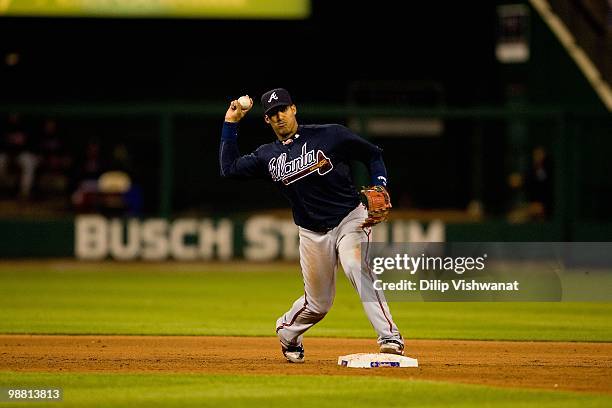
column 320, row 230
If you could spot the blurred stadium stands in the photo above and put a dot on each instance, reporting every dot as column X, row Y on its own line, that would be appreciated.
column 467, row 138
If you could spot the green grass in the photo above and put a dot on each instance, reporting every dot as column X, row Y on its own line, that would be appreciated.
column 169, row 299
column 170, row 390
column 110, row 298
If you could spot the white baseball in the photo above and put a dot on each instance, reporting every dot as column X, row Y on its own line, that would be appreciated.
column 244, row 101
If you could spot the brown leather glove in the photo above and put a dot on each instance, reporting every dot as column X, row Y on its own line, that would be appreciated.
column 376, row 200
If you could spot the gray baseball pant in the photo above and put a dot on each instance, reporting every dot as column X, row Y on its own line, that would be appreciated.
column 319, row 256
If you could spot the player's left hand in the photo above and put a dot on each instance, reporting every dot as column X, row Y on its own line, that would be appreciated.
column 376, row 199
column 235, row 112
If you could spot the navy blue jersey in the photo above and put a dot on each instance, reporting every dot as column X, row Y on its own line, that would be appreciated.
column 312, row 171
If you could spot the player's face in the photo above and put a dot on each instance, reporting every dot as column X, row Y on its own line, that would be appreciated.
column 283, row 121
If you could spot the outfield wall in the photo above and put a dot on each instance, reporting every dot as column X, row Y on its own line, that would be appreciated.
column 256, row 237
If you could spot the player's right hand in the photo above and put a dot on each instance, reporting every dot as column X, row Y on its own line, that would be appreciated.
column 235, row 112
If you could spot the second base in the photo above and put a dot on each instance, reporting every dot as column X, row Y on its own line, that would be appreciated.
column 370, row 360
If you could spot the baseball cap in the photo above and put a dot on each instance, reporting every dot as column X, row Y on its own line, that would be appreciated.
column 275, row 98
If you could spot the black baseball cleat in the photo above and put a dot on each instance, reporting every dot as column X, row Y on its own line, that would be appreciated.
column 293, row 354
column 392, row 347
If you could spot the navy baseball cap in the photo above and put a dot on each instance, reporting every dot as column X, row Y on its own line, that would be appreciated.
column 275, row 98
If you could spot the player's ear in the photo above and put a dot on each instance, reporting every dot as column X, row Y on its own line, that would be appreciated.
column 266, row 119
column 294, row 109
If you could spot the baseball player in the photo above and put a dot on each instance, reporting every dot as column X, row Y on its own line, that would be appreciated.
column 310, row 165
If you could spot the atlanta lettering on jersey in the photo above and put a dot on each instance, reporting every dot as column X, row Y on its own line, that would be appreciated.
column 307, row 163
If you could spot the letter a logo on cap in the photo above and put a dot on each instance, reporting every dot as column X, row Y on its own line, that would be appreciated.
column 273, row 96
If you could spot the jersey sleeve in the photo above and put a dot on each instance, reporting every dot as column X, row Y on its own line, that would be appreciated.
column 232, row 164
column 357, row 148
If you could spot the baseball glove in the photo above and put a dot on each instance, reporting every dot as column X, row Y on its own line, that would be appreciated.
column 376, row 200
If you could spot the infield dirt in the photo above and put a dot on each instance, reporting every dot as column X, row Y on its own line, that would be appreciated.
column 543, row 365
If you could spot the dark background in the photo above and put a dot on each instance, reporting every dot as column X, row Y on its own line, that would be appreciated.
column 446, row 48
column 317, row 58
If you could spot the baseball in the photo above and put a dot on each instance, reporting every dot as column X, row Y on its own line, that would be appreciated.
column 244, row 101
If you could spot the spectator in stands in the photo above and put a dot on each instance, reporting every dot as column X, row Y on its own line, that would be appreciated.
column 107, row 186
column 56, row 160
column 88, row 170
column 18, row 152
column 121, row 163
column 533, row 189
column 538, row 183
